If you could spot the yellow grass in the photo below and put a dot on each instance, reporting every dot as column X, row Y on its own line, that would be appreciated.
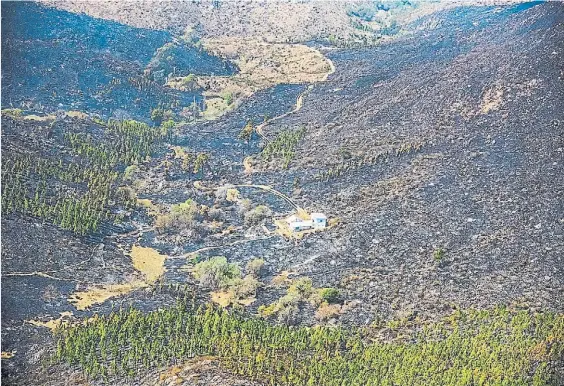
column 492, row 100
column 8, row 354
column 33, row 117
column 145, row 202
column 152, row 209
column 215, row 108
column 225, row 298
column 53, row 323
column 246, row 302
column 282, row 279
column 145, row 260
column 76, row 114
column 232, row 195
column 99, row 294
column 148, row 261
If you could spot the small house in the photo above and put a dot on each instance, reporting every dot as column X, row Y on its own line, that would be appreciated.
column 297, row 224
column 319, row 220
column 300, row 225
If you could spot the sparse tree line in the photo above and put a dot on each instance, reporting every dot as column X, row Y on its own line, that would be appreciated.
column 77, row 195
column 34, row 186
column 352, row 163
column 473, row 347
column 284, row 146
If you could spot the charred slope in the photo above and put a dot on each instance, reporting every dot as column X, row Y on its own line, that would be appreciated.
column 440, row 153
column 56, row 60
column 449, row 140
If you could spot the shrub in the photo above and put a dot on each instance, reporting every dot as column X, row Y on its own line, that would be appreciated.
column 182, row 216
column 288, row 306
column 327, row 311
column 130, row 172
column 255, row 267
column 246, row 287
column 159, row 114
column 288, row 315
column 216, row 272
column 215, row 214
column 13, row 112
column 438, row 254
column 228, row 98
column 232, row 195
column 257, row 214
column 244, row 205
column 302, row 287
column 126, row 195
column 187, row 81
column 291, row 298
column 247, row 131
column 330, row 295
column 266, row 311
column 166, row 127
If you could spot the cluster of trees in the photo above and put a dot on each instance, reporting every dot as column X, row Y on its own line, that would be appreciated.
column 181, row 217
column 301, row 291
column 77, row 195
column 129, row 142
column 283, row 147
column 191, row 162
column 36, row 187
column 136, row 140
column 356, row 163
column 218, row 274
column 257, row 215
column 474, row 347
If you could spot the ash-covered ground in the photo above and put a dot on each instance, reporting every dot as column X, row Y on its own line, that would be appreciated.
column 438, row 155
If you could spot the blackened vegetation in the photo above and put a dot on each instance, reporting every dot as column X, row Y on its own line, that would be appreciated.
column 440, row 153
column 56, row 60
column 74, row 181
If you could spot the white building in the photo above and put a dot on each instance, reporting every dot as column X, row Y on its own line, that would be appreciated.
column 296, row 224
column 319, row 220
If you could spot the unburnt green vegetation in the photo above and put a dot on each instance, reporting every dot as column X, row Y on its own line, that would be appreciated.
column 487, row 347
column 28, row 187
column 181, row 216
column 126, row 142
column 79, row 195
column 283, row 147
column 247, row 132
column 350, row 163
column 216, row 272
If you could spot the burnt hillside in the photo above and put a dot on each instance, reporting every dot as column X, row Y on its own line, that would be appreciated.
column 158, row 252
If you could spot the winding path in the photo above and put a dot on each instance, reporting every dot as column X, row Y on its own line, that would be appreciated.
column 297, row 107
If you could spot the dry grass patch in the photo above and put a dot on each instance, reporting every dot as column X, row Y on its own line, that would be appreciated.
column 261, row 65
column 327, row 311
column 99, row 294
column 148, row 261
column 53, row 323
column 8, row 354
column 492, row 100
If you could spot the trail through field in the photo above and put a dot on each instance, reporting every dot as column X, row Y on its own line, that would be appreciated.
column 297, row 107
